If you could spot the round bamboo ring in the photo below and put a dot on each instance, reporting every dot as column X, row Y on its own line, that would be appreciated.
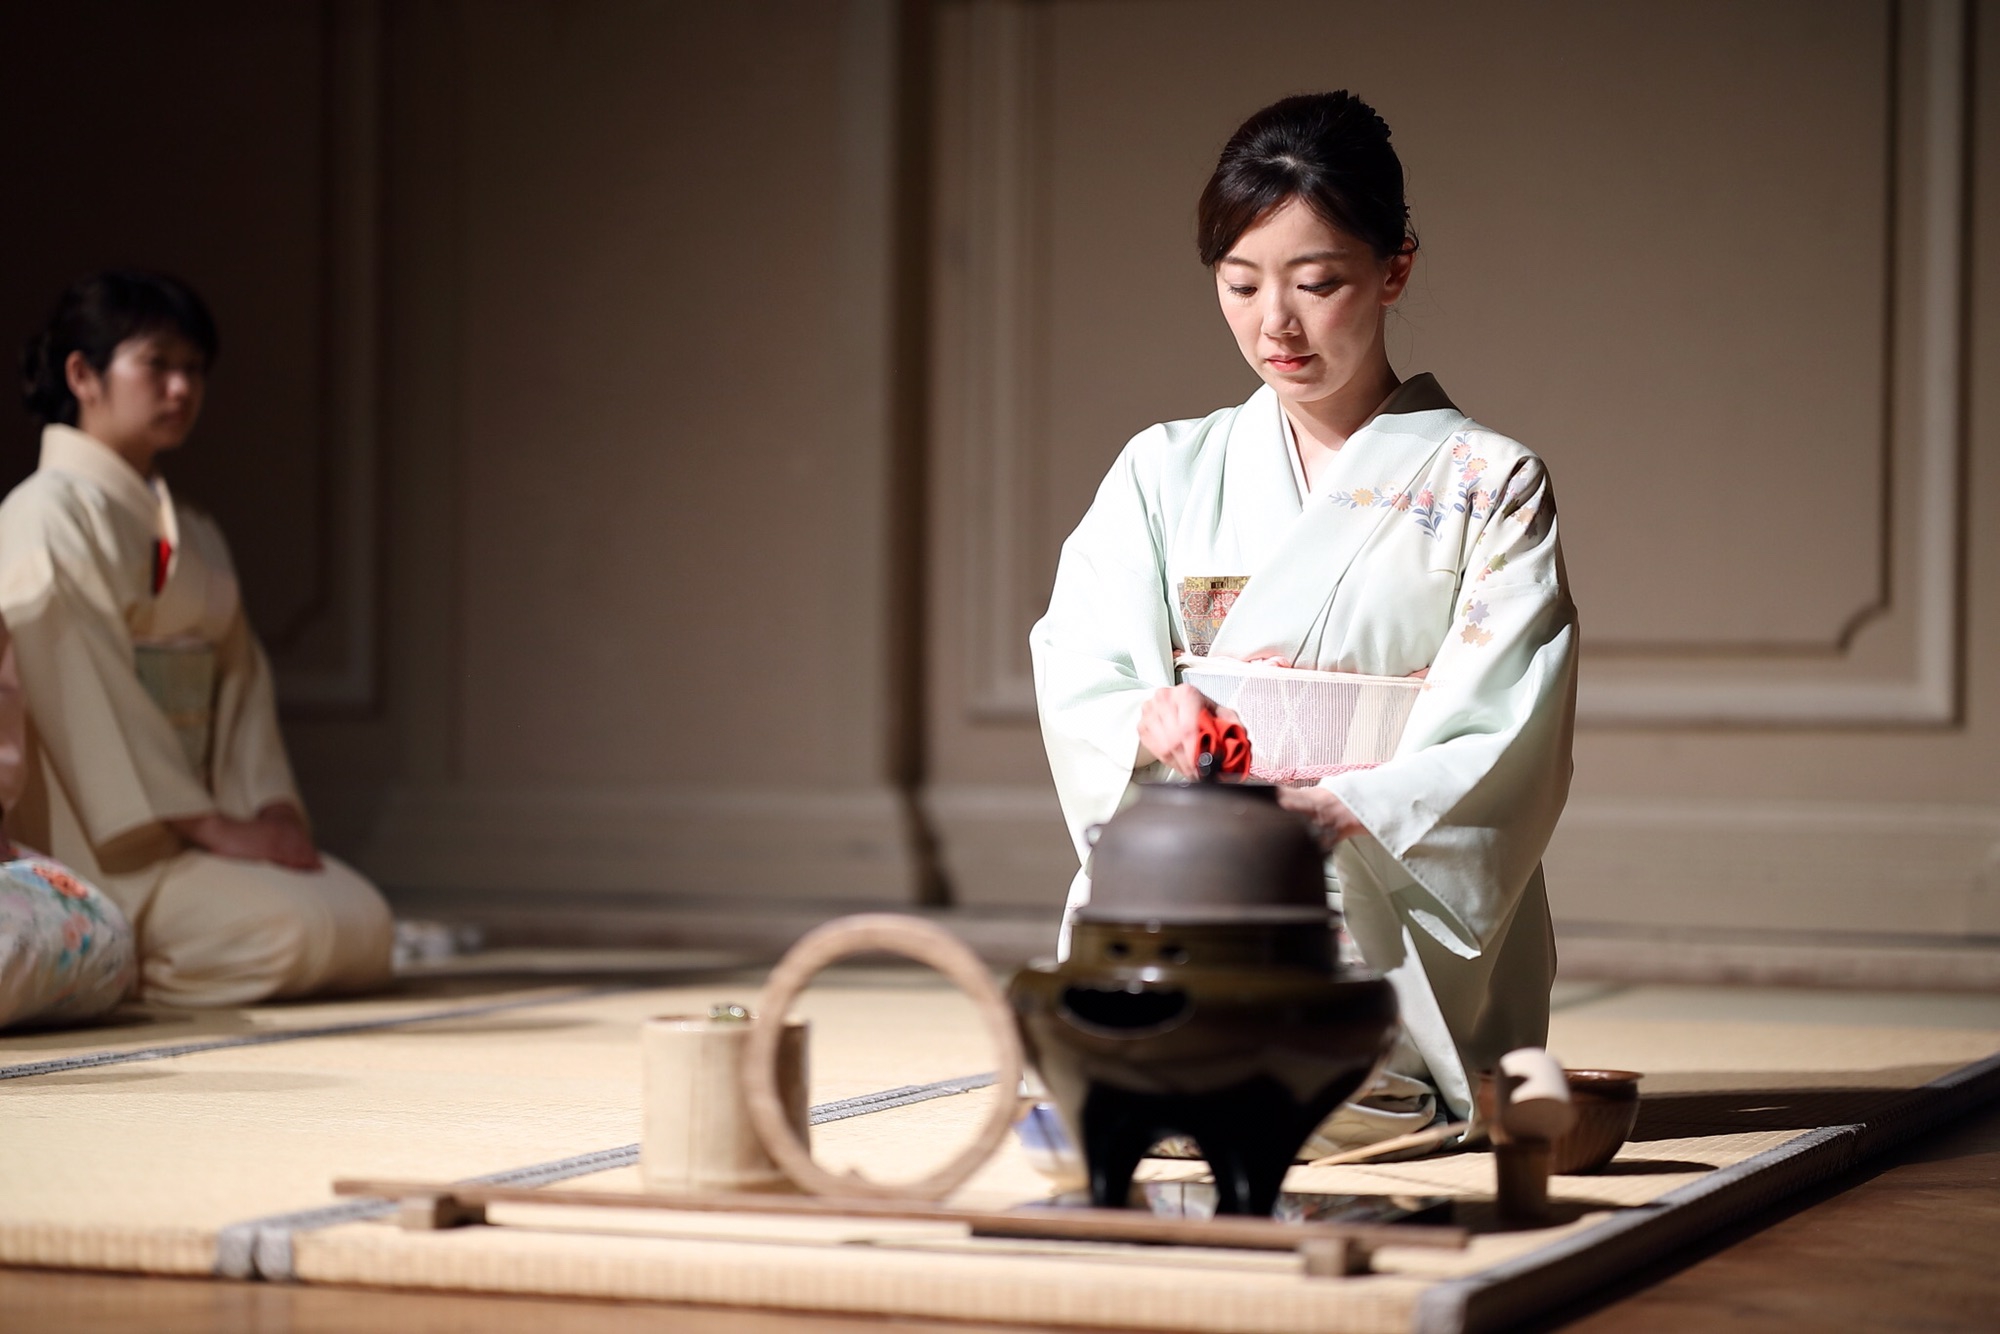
column 844, row 937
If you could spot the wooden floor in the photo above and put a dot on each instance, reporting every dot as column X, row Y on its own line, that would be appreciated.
column 1907, row 1245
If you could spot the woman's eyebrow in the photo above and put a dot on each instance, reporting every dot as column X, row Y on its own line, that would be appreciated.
column 1316, row 257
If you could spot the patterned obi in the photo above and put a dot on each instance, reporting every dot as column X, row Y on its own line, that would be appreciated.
column 179, row 674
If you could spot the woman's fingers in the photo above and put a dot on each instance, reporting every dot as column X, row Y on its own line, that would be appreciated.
column 1329, row 816
column 1302, row 801
column 1170, row 726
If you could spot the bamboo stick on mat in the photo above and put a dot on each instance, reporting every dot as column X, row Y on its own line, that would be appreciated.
column 447, row 1204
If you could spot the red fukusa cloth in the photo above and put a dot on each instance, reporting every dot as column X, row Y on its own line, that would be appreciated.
column 1227, row 742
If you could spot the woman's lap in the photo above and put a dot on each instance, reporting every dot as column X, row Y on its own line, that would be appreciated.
column 219, row 931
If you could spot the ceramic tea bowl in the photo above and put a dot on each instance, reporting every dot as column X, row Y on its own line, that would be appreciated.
column 1607, row 1108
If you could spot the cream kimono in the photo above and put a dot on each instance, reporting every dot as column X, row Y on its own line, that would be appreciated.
column 147, row 699
column 1431, row 544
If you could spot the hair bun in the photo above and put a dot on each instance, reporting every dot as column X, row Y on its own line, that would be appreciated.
column 44, row 384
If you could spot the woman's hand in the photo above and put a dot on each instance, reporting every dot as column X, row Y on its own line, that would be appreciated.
column 278, row 835
column 1170, row 726
column 292, row 842
column 1328, row 815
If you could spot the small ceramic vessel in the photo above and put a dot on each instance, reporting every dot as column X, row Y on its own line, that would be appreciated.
column 1202, row 995
column 1607, row 1109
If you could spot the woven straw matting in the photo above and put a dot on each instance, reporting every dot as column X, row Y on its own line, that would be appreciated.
column 219, row 1159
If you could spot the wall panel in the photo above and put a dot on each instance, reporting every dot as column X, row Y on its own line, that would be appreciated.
column 234, row 144
column 1708, row 259
column 669, row 610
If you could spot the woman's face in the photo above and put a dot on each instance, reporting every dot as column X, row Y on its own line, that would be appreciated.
column 1306, row 302
column 148, row 397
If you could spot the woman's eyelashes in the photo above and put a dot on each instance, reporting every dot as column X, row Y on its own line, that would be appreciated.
column 1325, row 288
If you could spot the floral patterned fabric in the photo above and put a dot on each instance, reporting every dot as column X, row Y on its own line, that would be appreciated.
column 66, row 951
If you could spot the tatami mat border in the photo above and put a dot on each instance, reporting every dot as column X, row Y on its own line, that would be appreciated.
column 93, row 1059
column 262, row 1247
column 1536, row 1283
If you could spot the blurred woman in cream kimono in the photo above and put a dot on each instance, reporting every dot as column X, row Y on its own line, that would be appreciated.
column 146, row 755
column 1372, row 528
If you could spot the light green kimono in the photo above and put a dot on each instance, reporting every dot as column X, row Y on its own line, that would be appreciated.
column 1431, row 543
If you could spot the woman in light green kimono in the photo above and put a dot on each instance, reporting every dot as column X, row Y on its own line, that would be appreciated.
column 1372, row 528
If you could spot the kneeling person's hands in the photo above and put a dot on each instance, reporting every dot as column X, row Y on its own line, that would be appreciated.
column 278, row 835
column 1329, row 816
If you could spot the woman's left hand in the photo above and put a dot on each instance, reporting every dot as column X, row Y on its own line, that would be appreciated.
column 291, row 842
column 1328, row 815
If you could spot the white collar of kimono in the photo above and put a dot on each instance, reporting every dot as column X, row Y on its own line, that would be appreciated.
column 1419, row 393
column 66, row 449
column 1314, row 544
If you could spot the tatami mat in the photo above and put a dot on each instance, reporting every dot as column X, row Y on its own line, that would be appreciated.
column 154, row 1166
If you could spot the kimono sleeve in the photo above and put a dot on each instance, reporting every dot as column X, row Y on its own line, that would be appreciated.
column 1105, row 644
column 115, row 752
column 1467, row 805
column 249, row 766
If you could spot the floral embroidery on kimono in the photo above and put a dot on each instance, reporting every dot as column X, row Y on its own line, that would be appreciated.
column 1465, row 496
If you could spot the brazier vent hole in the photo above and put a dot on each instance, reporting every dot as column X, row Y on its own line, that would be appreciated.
column 1126, row 1011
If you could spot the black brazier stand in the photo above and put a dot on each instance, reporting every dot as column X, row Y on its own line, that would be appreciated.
column 1245, row 1060
column 1202, row 996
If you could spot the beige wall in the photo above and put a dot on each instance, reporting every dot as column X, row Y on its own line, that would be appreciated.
column 662, row 383
column 569, row 419
column 1706, row 258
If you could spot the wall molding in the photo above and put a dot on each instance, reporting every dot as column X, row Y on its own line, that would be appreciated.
column 1918, row 623
column 1896, row 663
column 1002, row 846
column 994, row 339
column 1919, row 869
column 749, row 844
column 1928, row 869
column 348, row 563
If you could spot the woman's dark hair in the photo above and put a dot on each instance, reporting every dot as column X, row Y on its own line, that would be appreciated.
column 1330, row 150
column 93, row 317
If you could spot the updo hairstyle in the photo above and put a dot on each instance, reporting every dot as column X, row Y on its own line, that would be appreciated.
column 1328, row 149
column 93, row 317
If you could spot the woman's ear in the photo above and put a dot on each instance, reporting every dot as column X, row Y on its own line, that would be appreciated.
column 84, row 381
column 1396, row 274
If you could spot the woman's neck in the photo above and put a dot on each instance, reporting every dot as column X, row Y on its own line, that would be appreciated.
column 1322, row 426
column 138, row 455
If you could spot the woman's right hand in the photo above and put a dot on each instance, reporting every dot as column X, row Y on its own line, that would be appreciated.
column 1170, row 726
column 264, row 839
